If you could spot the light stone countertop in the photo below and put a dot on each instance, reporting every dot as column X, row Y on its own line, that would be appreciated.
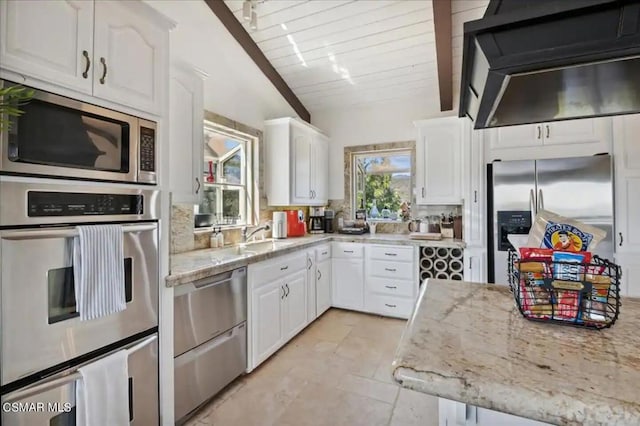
column 198, row 264
column 467, row 342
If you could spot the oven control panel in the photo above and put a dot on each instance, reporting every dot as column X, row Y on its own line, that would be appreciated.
column 147, row 149
column 43, row 203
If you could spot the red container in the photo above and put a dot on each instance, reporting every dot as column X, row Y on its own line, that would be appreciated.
column 295, row 223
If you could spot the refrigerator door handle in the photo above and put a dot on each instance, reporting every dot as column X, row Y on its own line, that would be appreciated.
column 532, row 205
column 540, row 200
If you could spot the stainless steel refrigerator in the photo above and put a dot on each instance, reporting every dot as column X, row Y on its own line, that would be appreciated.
column 579, row 188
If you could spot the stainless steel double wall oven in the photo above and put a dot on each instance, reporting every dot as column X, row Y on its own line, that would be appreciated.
column 42, row 340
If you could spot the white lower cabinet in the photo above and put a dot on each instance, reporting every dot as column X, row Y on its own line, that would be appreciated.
column 475, row 261
column 630, row 279
column 391, row 280
column 453, row 413
column 323, row 279
column 347, row 282
column 277, row 304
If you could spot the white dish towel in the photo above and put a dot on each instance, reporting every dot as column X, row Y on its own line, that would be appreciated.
column 102, row 395
column 98, row 257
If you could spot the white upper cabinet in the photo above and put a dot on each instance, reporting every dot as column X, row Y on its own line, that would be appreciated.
column 439, row 161
column 296, row 165
column 557, row 139
column 130, row 56
column 186, row 130
column 114, row 50
column 627, row 183
column 474, row 176
column 49, row 40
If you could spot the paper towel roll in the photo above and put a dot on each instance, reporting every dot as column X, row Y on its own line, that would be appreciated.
column 440, row 265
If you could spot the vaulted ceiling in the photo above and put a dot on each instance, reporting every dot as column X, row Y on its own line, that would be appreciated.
column 335, row 53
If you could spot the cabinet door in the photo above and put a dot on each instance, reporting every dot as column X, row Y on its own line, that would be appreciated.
column 627, row 183
column 439, row 157
column 320, row 165
column 475, row 265
column 295, row 313
column 301, row 146
column 474, row 220
column 577, row 131
column 323, row 286
column 49, row 40
column 130, row 56
column 186, row 116
column 267, row 313
column 516, row 136
column 311, row 286
column 630, row 280
column 485, row 417
column 347, row 281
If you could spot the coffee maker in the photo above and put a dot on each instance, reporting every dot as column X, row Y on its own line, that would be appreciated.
column 316, row 220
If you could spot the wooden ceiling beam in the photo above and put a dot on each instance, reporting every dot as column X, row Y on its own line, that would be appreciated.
column 442, row 27
column 235, row 28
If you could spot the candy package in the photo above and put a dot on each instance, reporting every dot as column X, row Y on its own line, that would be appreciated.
column 563, row 268
column 530, row 253
column 557, row 232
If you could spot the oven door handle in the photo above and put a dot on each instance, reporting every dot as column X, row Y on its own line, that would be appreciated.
column 36, row 234
column 55, row 382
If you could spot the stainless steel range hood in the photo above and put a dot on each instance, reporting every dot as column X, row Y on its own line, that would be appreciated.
column 529, row 61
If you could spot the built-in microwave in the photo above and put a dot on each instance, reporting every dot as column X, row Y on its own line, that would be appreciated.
column 61, row 137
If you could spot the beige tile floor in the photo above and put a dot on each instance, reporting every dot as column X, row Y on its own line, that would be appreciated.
column 336, row 372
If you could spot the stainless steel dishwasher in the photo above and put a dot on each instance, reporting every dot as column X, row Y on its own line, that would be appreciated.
column 210, row 337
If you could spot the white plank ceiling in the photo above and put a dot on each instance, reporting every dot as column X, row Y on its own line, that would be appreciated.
column 336, row 53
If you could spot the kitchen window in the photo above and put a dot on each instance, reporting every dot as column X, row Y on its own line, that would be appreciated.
column 382, row 183
column 226, row 175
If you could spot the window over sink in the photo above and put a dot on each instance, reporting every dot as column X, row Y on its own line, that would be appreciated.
column 226, row 175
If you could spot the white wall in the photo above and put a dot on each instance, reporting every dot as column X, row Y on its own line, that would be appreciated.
column 363, row 125
column 235, row 88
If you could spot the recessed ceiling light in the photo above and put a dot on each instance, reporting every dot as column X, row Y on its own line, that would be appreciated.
column 247, row 8
column 283, row 26
column 253, row 24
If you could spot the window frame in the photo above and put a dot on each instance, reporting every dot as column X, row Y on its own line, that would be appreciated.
column 377, row 153
column 247, row 185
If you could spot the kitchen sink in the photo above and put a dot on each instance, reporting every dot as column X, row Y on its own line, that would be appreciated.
column 241, row 250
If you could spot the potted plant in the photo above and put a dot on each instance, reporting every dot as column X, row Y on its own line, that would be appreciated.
column 11, row 99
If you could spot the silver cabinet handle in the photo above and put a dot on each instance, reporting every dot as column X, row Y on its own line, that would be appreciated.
column 287, row 287
column 391, row 306
column 423, row 192
column 548, row 131
column 470, row 262
column 539, row 132
column 324, row 252
column 198, row 187
column 391, row 286
column 475, row 196
column 310, row 194
column 532, row 205
column 391, row 254
column 309, row 263
column 85, row 74
column 540, row 200
column 104, row 70
column 390, row 269
column 319, row 274
column 621, row 239
column 284, row 268
column 348, row 251
column 283, row 292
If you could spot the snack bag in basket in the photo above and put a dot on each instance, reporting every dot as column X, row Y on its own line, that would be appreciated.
column 557, row 232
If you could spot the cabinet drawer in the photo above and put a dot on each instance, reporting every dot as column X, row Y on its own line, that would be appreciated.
column 323, row 253
column 385, row 269
column 266, row 272
column 347, row 250
column 400, row 307
column 391, row 286
column 395, row 253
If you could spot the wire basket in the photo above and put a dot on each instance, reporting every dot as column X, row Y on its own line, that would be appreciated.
column 578, row 294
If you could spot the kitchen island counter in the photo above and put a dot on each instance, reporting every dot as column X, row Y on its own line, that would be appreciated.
column 467, row 342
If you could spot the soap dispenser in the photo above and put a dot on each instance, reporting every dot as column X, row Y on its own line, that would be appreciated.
column 213, row 239
column 220, row 238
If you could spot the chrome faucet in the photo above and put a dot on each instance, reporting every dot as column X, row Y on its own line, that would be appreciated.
column 245, row 235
